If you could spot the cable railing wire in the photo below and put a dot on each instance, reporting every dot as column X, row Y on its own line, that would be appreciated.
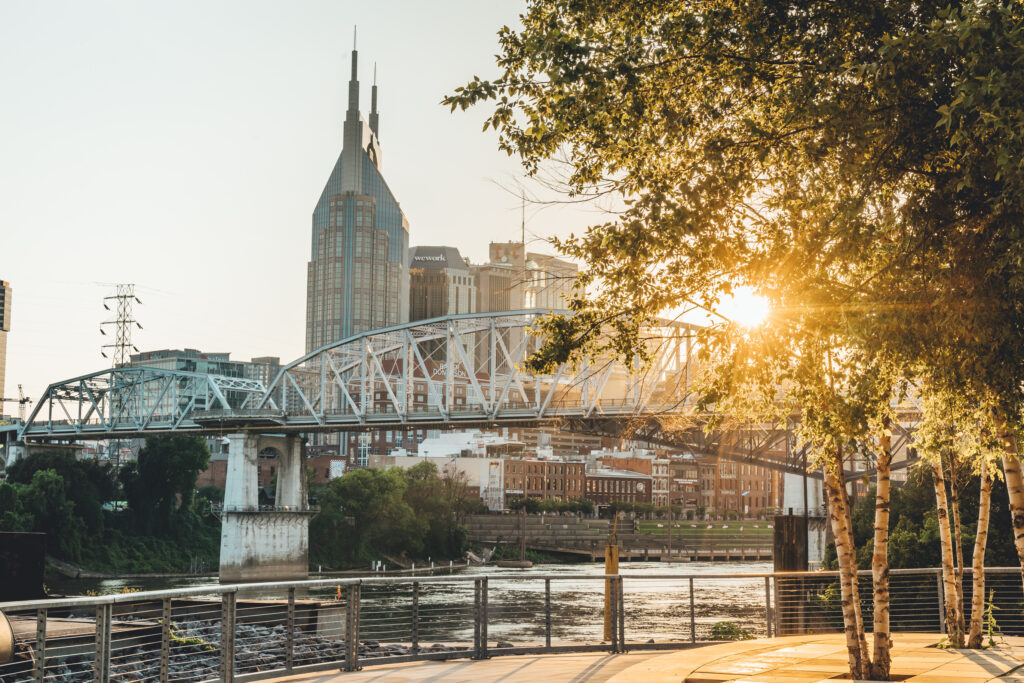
column 248, row 631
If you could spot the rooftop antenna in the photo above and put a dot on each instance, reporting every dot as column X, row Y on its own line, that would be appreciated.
column 522, row 225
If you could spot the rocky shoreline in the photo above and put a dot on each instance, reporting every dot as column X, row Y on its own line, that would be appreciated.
column 195, row 655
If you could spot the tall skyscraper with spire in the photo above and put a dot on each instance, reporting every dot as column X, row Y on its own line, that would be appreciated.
column 357, row 278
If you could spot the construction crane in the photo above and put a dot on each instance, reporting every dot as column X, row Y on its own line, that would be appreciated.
column 22, row 401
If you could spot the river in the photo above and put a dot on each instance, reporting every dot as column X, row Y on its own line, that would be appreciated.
column 656, row 608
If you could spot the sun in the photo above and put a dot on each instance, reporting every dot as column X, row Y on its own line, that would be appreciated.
column 744, row 307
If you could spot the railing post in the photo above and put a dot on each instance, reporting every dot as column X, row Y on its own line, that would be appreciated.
column 941, row 593
column 476, row 619
column 483, row 618
column 165, row 640
column 547, row 612
column 768, row 606
column 289, row 636
column 775, row 606
column 622, row 616
column 39, row 666
column 227, row 637
column 693, row 620
column 415, row 617
column 352, row 628
column 102, row 664
column 614, row 605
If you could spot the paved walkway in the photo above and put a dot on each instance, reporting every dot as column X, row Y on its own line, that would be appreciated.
column 793, row 659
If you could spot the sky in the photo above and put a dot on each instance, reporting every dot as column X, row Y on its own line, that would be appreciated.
column 182, row 146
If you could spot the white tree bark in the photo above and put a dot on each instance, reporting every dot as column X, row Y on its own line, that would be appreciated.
column 881, row 659
column 978, row 569
column 839, row 516
column 956, row 637
column 1014, row 491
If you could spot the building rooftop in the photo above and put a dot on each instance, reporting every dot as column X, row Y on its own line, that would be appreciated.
column 436, row 258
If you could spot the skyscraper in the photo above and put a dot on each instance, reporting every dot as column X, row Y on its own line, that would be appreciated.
column 357, row 278
column 5, row 327
column 439, row 283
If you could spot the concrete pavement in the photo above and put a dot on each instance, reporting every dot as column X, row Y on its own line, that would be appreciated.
column 792, row 659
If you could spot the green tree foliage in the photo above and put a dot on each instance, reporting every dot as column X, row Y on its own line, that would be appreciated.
column 538, row 505
column 369, row 513
column 162, row 481
column 54, row 493
column 87, row 483
column 913, row 528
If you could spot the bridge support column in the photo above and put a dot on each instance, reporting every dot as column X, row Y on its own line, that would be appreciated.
column 269, row 544
column 15, row 451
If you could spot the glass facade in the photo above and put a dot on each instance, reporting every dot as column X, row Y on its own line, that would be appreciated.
column 357, row 278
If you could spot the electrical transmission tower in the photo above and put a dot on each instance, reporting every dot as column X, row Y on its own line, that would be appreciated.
column 121, row 348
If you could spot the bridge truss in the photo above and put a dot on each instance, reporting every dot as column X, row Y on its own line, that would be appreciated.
column 451, row 372
column 134, row 401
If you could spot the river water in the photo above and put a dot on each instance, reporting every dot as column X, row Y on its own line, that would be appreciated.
column 657, row 600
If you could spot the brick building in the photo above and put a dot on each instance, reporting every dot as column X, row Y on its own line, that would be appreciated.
column 606, row 486
column 555, row 479
column 657, row 467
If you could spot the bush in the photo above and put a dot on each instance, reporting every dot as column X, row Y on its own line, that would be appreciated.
column 727, row 630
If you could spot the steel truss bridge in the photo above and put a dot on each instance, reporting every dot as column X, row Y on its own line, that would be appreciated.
column 450, row 372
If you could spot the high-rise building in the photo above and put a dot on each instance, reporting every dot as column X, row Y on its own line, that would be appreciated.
column 439, row 283
column 515, row 279
column 357, row 279
column 5, row 327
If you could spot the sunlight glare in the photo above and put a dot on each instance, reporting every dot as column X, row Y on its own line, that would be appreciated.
column 745, row 308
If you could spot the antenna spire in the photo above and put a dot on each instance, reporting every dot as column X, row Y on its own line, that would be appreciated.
column 523, row 225
column 353, row 83
column 374, row 117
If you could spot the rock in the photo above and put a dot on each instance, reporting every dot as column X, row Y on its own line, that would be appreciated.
column 651, row 640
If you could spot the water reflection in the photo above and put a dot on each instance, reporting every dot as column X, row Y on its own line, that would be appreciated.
column 656, row 608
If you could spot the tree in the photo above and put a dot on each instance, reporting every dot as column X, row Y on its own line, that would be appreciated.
column 162, row 480
column 87, row 483
column 855, row 163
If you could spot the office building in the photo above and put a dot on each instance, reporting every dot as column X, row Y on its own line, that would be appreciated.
column 357, row 277
column 514, row 279
column 440, row 283
column 194, row 360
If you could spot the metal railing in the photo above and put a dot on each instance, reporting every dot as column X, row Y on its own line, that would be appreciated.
column 255, row 631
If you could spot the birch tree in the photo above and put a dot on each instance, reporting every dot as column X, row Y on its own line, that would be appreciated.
column 857, row 164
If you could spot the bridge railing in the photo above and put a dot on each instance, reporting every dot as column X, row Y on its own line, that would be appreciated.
column 254, row 631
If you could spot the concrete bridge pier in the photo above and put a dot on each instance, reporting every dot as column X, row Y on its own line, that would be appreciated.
column 269, row 544
column 15, row 451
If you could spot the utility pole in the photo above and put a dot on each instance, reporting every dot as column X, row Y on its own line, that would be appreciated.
column 671, row 523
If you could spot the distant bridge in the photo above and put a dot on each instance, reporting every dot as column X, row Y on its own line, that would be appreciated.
column 450, row 372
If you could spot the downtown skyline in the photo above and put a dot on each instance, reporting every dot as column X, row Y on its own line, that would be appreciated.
column 190, row 165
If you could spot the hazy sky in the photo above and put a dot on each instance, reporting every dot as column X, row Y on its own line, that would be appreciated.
column 181, row 146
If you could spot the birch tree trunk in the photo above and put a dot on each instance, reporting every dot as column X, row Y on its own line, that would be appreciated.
column 881, row 659
column 978, row 570
column 1015, row 491
column 948, row 574
column 958, row 544
column 839, row 516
